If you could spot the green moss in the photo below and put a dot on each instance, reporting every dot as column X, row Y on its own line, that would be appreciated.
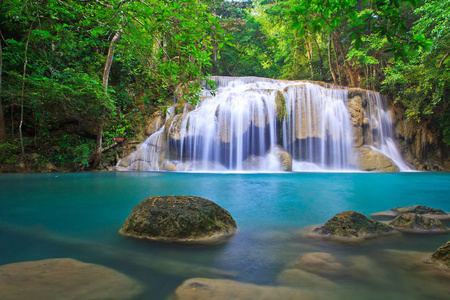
column 418, row 209
column 417, row 222
column 442, row 255
column 352, row 224
column 178, row 218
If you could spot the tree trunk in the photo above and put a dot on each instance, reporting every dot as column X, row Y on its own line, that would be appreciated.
column 2, row 116
column 348, row 68
column 108, row 64
column 322, row 73
column 337, row 62
column 23, row 92
column 333, row 73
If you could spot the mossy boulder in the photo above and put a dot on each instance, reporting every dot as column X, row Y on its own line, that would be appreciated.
column 418, row 209
column 442, row 256
column 179, row 219
column 351, row 224
column 415, row 209
column 417, row 223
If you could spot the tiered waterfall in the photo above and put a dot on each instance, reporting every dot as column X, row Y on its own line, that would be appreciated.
column 265, row 125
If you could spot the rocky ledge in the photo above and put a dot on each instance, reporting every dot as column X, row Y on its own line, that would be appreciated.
column 186, row 219
column 352, row 225
column 415, row 209
column 411, row 222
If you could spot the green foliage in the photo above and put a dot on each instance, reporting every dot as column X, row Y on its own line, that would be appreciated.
column 163, row 44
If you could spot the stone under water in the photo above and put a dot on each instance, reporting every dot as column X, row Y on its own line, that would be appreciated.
column 179, row 218
column 317, row 126
column 64, row 278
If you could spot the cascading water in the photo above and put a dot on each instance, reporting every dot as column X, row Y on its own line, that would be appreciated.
column 259, row 124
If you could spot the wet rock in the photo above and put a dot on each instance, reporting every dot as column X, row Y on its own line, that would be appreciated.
column 64, row 278
column 284, row 157
column 357, row 116
column 253, row 163
column 154, row 124
column 280, row 106
column 352, row 225
column 370, row 160
column 139, row 165
column 415, row 209
column 301, row 278
column 219, row 289
column 417, row 223
column 442, row 256
column 174, row 126
column 319, row 263
column 179, row 219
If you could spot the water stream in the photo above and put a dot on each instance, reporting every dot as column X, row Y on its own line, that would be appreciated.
column 248, row 124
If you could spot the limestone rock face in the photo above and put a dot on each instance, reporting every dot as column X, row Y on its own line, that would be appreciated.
column 357, row 117
column 416, row 222
column 280, row 106
column 370, row 160
column 179, row 219
column 173, row 126
column 155, row 123
column 64, row 278
column 442, row 255
column 351, row 224
column 284, row 157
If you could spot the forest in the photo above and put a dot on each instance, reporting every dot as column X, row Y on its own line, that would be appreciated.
column 74, row 74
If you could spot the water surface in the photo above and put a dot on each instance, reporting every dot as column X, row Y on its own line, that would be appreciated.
column 78, row 215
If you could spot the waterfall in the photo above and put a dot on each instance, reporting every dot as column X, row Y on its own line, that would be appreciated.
column 266, row 125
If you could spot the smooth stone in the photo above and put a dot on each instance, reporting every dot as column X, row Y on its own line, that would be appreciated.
column 220, row 289
column 179, row 218
column 302, row 279
column 319, row 263
column 64, row 278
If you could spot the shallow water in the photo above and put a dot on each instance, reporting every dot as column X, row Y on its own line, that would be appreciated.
column 78, row 215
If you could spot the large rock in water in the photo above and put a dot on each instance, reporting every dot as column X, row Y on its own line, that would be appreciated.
column 64, row 278
column 370, row 160
column 417, row 223
column 415, row 209
column 442, row 255
column 283, row 156
column 351, row 224
column 179, row 219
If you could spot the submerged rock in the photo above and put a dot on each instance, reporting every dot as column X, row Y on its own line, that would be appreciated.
column 371, row 160
column 416, row 209
column 417, row 223
column 442, row 256
column 302, row 279
column 351, row 224
column 319, row 262
column 179, row 219
column 214, row 289
column 64, row 278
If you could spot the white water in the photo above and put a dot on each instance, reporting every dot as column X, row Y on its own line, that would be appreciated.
column 240, row 128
